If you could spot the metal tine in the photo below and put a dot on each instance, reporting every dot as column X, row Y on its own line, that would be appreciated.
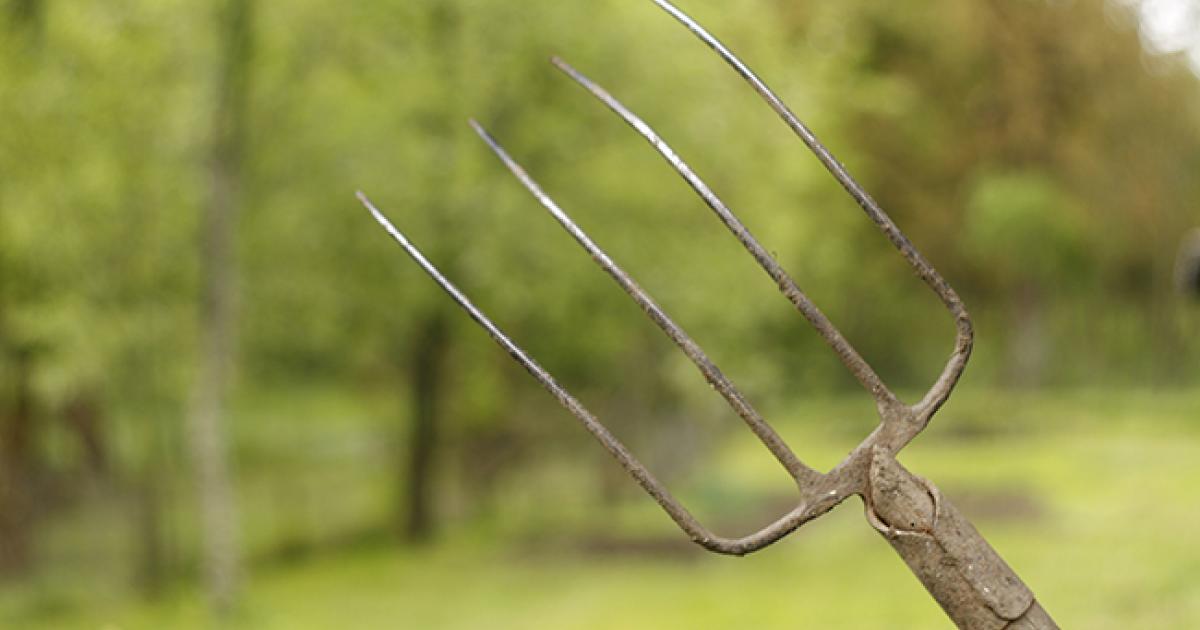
column 940, row 391
column 806, row 511
column 639, row 472
column 799, row 471
column 832, row 336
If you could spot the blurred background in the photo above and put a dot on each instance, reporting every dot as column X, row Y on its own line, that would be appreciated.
column 227, row 399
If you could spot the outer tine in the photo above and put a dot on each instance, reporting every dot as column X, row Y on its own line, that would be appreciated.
column 799, row 471
column 941, row 389
column 832, row 336
column 733, row 546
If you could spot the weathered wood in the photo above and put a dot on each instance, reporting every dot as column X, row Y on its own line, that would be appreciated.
column 970, row 581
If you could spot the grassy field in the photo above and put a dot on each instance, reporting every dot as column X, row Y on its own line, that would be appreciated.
column 1091, row 496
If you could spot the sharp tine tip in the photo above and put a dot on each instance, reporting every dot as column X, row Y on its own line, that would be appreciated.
column 483, row 133
column 561, row 64
column 382, row 220
column 362, row 198
column 488, row 139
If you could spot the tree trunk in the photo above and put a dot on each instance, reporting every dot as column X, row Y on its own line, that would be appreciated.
column 148, row 530
column 16, row 395
column 84, row 416
column 16, row 471
column 417, row 509
column 426, row 390
column 1028, row 345
column 207, row 440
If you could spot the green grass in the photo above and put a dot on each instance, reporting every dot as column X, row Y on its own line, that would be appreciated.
column 1089, row 495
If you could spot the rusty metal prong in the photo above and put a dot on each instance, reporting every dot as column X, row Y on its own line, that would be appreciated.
column 775, row 444
column 941, row 389
column 825, row 328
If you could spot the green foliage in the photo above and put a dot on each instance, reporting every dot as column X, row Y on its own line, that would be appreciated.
column 1026, row 230
column 1032, row 150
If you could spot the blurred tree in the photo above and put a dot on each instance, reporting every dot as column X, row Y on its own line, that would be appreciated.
column 1024, row 229
column 207, row 435
column 17, row 493
column 18, row 426
column 90, row 273
column 991, row 105
column 432, row 336
column 1187, row 265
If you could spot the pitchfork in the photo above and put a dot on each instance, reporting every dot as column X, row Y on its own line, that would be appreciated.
column 963, row 573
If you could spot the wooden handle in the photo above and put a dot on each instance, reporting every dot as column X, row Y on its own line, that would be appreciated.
column 971, row 582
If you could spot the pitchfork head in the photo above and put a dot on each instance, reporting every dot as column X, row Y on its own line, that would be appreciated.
column 819, row 492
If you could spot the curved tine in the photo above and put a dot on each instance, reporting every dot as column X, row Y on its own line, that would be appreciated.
column 940, row 391
column 798, row 470
column 785, row 525
column 832, row 336
column 639, row 472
